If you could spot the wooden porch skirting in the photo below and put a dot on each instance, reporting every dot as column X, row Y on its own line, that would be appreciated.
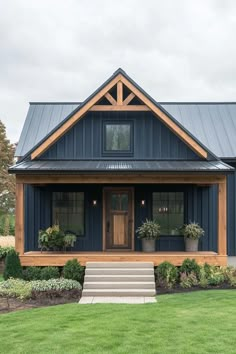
column 176, row 258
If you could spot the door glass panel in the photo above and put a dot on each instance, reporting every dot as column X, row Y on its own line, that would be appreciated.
column 119, row 202
column 124, row 202
column 115, row 201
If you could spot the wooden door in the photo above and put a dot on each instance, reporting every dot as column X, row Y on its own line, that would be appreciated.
column 118, row 219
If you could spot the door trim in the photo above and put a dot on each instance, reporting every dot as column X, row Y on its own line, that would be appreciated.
column 125, row 189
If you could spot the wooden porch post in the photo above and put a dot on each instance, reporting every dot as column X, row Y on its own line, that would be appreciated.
column 19, row 237
column 222, row 218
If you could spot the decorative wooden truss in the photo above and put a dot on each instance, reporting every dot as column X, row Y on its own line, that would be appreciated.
column 120, row 98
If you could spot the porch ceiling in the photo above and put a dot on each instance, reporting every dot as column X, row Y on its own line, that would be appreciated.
column 60, row 166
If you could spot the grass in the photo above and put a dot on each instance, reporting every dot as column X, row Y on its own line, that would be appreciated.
column 189, row 323
column 1, row 277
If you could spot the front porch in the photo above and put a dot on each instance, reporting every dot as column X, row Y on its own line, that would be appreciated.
column 203, row 200
column 176, row 258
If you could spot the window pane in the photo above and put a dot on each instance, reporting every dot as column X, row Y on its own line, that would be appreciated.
column 118, row 137
column 168, row 210
column 68, row 211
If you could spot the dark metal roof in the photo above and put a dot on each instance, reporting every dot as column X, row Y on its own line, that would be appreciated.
column 113, row 166
column 41, row 119
column 213, row 123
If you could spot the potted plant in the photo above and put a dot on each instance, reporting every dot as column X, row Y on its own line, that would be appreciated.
column 69, row 240
column 55, row 239
column 148, row 232
column 192, row 233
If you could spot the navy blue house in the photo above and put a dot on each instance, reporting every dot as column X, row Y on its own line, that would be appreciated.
column 100, row 167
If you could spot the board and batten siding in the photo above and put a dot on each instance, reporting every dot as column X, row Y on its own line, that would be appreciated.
column 152, row 139
column 200, row 206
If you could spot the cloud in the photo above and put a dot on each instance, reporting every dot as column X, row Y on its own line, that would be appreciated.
column 54, row 50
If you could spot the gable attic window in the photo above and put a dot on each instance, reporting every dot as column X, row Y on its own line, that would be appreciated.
column 118, row 138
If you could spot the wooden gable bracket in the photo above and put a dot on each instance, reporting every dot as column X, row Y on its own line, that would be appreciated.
column 120, row 105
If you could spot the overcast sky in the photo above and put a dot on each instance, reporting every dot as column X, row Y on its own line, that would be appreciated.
column 62, row 50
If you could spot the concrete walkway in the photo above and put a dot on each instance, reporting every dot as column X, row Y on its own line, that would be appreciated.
column 116, row 300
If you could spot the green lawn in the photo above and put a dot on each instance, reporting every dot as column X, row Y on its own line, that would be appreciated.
column 199, row 322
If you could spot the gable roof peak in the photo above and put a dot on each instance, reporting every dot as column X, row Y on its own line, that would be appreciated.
column 119, row 71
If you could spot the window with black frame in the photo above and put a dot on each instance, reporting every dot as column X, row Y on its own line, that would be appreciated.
column 168, row 210
column 68, row 211
column 117, row 137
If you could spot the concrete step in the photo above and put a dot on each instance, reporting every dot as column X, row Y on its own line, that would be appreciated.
column 119, row 265
column 119, row 278
column 119, row 271
column 119, row 285
column 119, row 292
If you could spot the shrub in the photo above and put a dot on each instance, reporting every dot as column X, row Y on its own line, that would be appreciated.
column 230, row 275
column 32, row 273
column 188, row 280
column 216, row 276
column 203, row 278
column 166, row 275
column 73, row 270
column 190, row 266
column 207, row 268
column 22, row 289
column 15, row 288
column 55, row 284
column 13, row 267
column 50, row 273
column 5, row 250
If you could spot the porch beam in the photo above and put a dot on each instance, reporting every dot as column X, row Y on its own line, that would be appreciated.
column 121, row 179
column 97, row 108
column 19, row 238
column 222, row 218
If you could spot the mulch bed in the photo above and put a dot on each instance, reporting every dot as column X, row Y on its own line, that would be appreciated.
column 178, row 289
column 12, row 304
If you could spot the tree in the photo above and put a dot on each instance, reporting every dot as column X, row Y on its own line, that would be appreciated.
column 7, row 182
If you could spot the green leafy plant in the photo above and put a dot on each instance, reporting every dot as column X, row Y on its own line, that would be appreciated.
column 22, row 289
column 32, row 273
column 55, row 284
column 216, row 276
column 188, row 280
column 73, row 270
column 17, row 288
column 52, row 288
column 13, row 267
column 54, row 238
column 49, row 273
column 192, row 231
column 5, row 250
column 190, row 266
column 150, row 230
column 203, row 280
column 166, row 275
column 69, row 240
